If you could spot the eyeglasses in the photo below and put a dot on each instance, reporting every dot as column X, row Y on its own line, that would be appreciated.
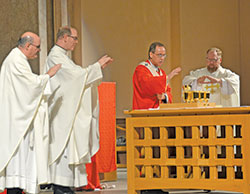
column 37, row 46
column 74, row 37
column 161, row 55
column 212, row 60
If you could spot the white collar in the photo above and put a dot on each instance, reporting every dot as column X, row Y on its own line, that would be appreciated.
column 156, row 68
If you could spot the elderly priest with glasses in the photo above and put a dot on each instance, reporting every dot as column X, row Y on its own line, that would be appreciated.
column 24, row 119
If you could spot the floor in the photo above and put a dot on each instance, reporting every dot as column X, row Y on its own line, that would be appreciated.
column 116, row 187
column 120, row 187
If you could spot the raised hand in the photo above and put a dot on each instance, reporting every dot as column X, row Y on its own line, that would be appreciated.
column 53, row 70
column 201, row 80
column 105, row 60
column 173, row 73
column 210, row 80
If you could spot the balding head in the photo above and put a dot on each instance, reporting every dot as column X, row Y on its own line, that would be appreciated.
column 29, row 44
column 31, row 34
column 27, row 37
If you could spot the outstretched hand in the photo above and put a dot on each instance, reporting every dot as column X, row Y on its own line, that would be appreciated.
column 173, row 73
column 53, row 70
column 201, row 80
column 214, row 80
column 211, row 80
column 105, row 60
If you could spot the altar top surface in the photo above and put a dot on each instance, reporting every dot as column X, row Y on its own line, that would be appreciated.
column 189, row 111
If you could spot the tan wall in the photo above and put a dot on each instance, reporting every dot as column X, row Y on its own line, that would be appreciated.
column 206, row 24
column 124, row 30
column 224, row 24
column 245, row 50
column 16, row 18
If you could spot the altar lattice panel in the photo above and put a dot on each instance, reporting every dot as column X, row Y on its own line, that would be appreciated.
column 188, row 152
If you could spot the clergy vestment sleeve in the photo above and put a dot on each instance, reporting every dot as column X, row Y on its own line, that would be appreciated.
column 226, row 88
column 94, row 73
column 69, row 68
column 191, row 79
column 25, row 77
column 194, row 85
column 149, row 85
column 230, row 84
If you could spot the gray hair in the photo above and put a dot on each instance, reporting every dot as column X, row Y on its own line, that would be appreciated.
column 23, row 40
column 62, row 31
column 217, row 50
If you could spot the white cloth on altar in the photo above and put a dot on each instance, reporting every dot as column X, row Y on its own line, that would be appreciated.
column 22, row 107
column 227, row 94
column 74, row 111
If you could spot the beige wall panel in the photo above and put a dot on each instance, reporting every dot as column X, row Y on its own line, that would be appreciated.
column 75, row 21
column 245, row 50
column 57, row 16
column 50, row 25
column 206, row 24
column 175, row 49
column 123, row 29
column 16, row 18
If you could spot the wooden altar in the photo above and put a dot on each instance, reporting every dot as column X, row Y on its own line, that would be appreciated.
column 177, row 148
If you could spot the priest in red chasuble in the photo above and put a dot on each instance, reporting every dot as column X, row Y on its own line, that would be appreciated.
column 150, row 82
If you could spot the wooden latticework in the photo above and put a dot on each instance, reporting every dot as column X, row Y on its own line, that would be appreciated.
column 188, row 149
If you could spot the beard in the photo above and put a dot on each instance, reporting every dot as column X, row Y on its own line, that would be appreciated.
column 212, row 68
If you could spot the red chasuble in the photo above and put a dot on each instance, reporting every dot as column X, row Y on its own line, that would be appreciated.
column 146, row 84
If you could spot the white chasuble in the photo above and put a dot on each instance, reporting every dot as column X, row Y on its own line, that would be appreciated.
column 227, row 94
column 22, row 107
column 74, row 111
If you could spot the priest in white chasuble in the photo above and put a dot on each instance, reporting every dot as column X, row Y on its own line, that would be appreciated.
column 223, row 84
column 73, row 107
column 24, row 119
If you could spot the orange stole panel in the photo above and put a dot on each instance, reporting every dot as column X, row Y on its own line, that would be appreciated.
column 104, row 160
column 105, row 157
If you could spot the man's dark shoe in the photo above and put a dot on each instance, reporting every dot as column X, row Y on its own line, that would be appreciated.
column 46, row 187
column 58, row 189
column 14, row 191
